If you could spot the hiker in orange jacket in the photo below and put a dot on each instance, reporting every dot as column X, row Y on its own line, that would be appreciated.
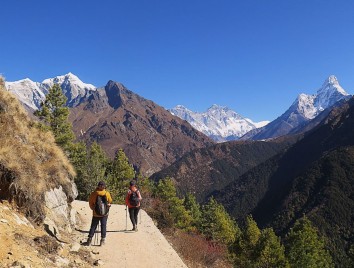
column 132, row 200
column 96, row 218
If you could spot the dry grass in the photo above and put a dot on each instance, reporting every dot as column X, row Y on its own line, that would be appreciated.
column 30, row 161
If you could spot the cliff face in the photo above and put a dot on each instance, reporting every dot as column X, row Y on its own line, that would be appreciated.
column 150, row 136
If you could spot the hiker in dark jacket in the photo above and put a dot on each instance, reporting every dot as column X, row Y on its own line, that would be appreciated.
column 132, row 200
column 96, row 218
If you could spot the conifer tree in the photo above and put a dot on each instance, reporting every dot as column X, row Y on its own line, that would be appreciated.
column 120, row 172
column 166, row 190
column 245, row 247
column 305, row 248
column 95, row 169
column 55, row 115
column 79, row 158
column 252, row 233
column 2, row 83
column 191, row 204
column 270, row 251
column 217, row 223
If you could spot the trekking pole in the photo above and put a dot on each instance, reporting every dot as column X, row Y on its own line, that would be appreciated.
column 96, row 233
column 126, row 217
column 95, row 236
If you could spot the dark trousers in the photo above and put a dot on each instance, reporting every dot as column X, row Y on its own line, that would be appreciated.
column 133, row 215
column 94, row 223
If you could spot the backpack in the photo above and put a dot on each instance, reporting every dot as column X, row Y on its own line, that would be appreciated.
column 134, row 198
column 101, row 207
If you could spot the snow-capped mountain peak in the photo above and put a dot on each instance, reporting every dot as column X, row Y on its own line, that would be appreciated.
column 329, row 93
column 309, row 106
column 68, row 79
column 29, row 92
column 33, row 93
column 219, row 122
column 304, row 108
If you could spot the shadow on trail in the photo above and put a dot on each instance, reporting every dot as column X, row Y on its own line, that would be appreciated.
column 118, row 231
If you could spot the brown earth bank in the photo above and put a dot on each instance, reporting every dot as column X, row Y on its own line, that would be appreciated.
column 23, row 244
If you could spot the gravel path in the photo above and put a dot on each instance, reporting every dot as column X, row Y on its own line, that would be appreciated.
column 123, row 249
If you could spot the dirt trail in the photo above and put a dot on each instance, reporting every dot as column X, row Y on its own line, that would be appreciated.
column 123, row 249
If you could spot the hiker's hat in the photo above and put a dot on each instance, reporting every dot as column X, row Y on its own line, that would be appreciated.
column 102, row 183
column 133, row 182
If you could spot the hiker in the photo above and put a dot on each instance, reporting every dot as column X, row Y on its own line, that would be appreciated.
column 100, row 213
column 132, row 200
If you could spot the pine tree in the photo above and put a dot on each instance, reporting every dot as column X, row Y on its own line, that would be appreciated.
column 245, row 247
column 55, row 115
column 270, row 251
column 305, row 248
column 96, row 167
column 120, row 172
column 2, row 83
column 191, row 204
column 79, row 159
column 166, row 191
column 252, row 233
column 217, row 223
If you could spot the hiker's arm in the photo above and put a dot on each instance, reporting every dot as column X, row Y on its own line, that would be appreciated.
column 92, row 200
column 109, row 198
column 139, row 195
column 127, row 198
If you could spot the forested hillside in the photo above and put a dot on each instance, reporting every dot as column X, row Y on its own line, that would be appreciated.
column 314, row 177
column 205, row 170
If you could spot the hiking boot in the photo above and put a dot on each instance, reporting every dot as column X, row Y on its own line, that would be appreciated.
column 103, row 241
column 88, row 242
column 136, row 228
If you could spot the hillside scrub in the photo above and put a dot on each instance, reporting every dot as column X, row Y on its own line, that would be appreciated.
column 30, row 161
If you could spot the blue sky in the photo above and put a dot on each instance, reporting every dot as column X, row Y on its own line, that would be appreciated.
column 253, row 56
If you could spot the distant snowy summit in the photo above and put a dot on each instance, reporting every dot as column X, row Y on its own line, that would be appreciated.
column 32, row 94
column 311, row 105
column 304, row 108
column 223, row 124
column 218, row 122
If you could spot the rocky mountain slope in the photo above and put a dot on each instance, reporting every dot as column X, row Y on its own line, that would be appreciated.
column 304, row 109
column 150, row 136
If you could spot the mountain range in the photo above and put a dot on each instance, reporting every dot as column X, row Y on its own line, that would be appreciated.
column 32, row 94
column 109, row 113
column 219, row 122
